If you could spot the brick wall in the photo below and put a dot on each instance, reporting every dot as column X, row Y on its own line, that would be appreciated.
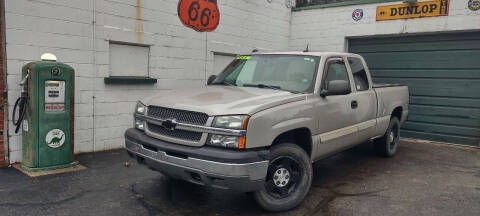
column 3, row 147
column 178, row 55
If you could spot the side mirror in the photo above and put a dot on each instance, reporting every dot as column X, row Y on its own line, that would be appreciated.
column 336, row 87
column 211, row 78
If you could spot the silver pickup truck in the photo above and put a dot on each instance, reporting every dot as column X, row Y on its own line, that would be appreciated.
column 260, row 124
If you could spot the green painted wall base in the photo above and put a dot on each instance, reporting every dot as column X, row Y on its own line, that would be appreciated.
column 38, row 169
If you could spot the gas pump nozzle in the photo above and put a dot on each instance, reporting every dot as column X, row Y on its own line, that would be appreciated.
column 24, row 81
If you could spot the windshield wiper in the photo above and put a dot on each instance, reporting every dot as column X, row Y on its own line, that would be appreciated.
column 224, row 83
column 261, row 85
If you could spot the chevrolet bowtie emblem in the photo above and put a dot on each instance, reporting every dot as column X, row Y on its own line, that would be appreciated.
column 169, row 124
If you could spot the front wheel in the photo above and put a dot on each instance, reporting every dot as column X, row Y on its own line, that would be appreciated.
column 289, row 178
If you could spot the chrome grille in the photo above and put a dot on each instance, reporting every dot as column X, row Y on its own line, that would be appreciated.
column 177, row 134
column 184, row 116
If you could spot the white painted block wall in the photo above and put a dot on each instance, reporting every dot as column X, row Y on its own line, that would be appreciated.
column 178, row 56
column 79, row 31
column 327, row 29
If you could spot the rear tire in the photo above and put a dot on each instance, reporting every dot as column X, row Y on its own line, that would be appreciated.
column 387, row 145
column 289, row 178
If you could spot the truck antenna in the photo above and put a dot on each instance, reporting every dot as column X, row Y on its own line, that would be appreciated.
column 306, row 50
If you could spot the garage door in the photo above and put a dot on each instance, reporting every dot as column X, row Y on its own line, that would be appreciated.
column 442, row 72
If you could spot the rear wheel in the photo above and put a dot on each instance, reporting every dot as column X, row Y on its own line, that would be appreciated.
column 387, row 145
column 289, row 178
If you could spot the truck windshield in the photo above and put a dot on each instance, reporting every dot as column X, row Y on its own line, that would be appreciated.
column 294, row 73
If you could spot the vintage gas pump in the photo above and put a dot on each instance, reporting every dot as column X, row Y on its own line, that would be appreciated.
column 45, row 114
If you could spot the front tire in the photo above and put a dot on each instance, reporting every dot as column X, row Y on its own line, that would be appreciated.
column 289, row 178
column 387, row 145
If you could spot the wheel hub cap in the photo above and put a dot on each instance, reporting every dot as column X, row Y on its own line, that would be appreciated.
column 391, row 137
column 281, row 177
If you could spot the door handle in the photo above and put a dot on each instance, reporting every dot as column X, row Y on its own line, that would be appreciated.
column 354, row 104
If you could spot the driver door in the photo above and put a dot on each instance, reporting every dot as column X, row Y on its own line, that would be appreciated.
column 336, row 117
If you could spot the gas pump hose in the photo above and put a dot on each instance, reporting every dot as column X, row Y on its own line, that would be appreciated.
column 21, row 104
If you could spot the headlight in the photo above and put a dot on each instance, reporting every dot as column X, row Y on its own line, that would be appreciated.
column 231, row 122
column 235, row 122
column 140, row 108
column 227, row 141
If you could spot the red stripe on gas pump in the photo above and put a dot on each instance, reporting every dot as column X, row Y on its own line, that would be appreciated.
column 54, row 107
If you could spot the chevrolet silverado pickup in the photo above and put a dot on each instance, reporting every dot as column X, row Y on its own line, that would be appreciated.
column 259, row 125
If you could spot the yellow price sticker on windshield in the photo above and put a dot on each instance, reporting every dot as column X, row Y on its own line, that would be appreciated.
column 244, row 57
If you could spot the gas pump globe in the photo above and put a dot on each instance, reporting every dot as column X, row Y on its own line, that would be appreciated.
column 46, row 114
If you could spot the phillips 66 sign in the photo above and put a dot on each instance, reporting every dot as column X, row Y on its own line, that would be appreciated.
column 200, row 15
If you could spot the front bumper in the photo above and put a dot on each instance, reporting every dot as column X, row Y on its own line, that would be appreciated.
column 220, row 168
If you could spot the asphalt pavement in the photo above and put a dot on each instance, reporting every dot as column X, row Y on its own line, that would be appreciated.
column 423, row 179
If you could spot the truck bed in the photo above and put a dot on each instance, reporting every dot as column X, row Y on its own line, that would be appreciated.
column 390, row 96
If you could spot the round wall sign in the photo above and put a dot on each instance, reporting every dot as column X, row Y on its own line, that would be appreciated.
column 200, row 15
column 357, row 14
column 55, row 138
column 474, row 5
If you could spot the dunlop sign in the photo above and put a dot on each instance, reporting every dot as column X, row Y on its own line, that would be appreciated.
column 413, row 10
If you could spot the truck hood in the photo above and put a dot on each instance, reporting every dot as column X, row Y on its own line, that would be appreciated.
column 223, row 100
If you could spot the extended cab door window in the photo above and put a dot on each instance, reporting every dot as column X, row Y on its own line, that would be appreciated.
column 359, row 74
column 366, row 101
column 336, row 70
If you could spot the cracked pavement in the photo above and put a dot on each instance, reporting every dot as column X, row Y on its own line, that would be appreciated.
column 423, row 179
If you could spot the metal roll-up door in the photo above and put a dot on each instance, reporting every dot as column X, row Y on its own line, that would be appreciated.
column 442, row 72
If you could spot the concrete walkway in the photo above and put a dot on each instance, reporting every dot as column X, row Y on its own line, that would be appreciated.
column 423, row 179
